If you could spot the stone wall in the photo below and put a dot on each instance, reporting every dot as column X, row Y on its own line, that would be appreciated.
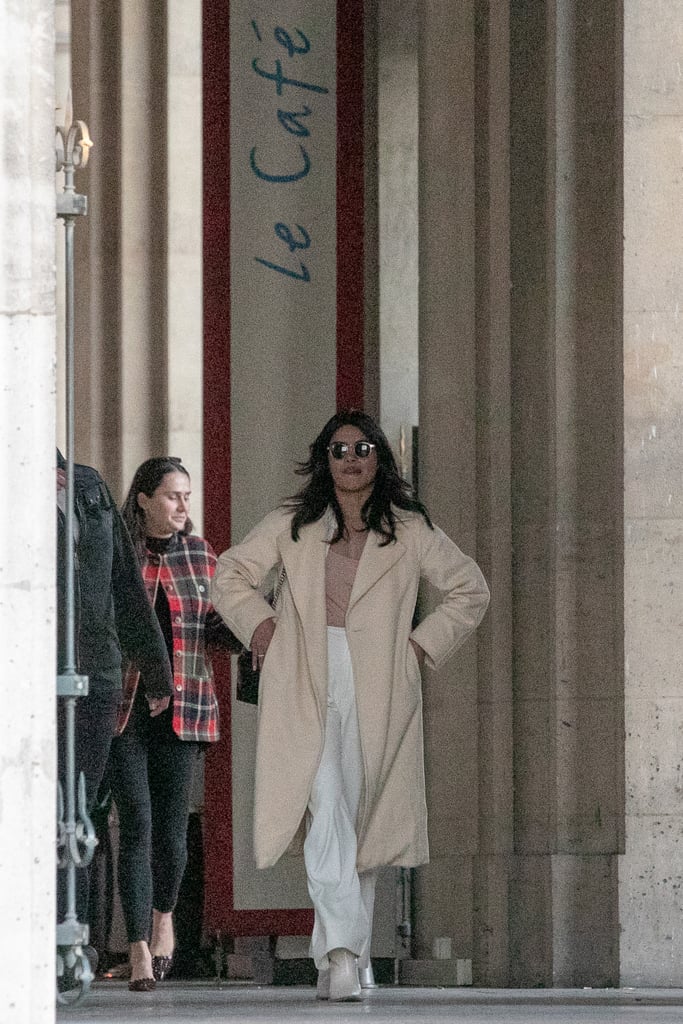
column 27, row 517
column 651, row 876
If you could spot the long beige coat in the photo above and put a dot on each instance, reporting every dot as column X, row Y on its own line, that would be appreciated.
column 392, row 818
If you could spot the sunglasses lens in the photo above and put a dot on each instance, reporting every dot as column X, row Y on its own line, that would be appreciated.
column 361, row 448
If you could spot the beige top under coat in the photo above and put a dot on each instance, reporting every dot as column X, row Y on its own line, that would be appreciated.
column 340, row 573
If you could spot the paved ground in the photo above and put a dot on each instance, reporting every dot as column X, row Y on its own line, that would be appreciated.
column 110, row 1002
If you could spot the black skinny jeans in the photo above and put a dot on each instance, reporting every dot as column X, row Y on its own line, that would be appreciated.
column 151, row 773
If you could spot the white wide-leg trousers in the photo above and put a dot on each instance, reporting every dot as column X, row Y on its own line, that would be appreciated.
column 343, row 901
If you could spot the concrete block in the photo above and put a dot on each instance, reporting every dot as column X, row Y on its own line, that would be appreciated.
column 534, row 608
column 433, row 973
column 653, row 247
column 653, row 37
column 534, row 776
column 653, row 614
column 490, row 960
column 239, row 965
column 531, row 940
column 450, row 729
column 654, row 751
column 651, row 902
column 589, row 635
column 442, row 896
column 585, row 921
column 653, row 362
column 589, row 776
column 293, row 947
column 495, row 777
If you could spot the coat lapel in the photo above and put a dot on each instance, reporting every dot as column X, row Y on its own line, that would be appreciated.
column 374, row 563
column 304, row 562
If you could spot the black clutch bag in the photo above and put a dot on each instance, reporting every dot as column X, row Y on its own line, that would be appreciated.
column 248, row 677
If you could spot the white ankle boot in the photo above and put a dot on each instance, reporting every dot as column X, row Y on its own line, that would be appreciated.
column 344, row 984
column 323, row 989
column 366, row 975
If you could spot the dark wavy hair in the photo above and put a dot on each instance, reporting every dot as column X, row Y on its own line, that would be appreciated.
column 390, row 490
column 148, row 477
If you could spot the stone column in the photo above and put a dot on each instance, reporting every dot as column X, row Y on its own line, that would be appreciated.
column 465, row 416
column 397, row 125
column 27, row 517
column 143, row 233
column 566, row 462
column 95, row 42
column 650, row 875
column 494, row 542
column 137, row 79
column 588, row 618
column 62, row 86
column 184, row 234
column 447, row 465
column 119, row 67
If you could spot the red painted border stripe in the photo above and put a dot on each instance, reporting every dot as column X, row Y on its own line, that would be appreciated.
column 220, row 913
column 216, row 268
column 220, row 916
column 350, row 204
column 218, row 852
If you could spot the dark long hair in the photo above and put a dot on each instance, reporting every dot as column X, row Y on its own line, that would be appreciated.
column 147, row 478
column 389, row 491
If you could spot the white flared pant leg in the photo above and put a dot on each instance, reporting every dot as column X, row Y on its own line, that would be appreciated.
column 368, row 881
column 341, row 912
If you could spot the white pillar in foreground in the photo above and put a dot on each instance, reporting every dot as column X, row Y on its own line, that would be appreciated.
column 27, row 512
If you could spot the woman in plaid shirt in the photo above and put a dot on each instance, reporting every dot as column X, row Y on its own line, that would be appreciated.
column 159, row 739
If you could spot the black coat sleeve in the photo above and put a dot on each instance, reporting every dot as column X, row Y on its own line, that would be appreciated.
column 139, row 632
column 218, row 636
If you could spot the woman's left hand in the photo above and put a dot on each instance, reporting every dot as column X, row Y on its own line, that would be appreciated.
column 260, row 642
column 419, row 653
column 157, row 705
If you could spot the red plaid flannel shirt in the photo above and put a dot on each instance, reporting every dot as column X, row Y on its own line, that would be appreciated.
column 185, row 572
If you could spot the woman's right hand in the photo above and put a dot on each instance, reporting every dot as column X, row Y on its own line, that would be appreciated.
column 260, row 642
column 157, row 705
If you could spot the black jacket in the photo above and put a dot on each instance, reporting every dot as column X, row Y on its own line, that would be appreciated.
column 113, row 616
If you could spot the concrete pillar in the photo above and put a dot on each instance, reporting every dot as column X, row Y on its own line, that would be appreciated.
column 27, row 518
column 494, row 551
column 651, row 904
column 588, row 661
column 143, row 232
column 464, row 468
column 119, row 72
column 397, row 127
column 95, row 35
column 62, row 86
column 184, row 234
column 137, row 81
column 533, row 492
column 566, row 464
column 447, row 464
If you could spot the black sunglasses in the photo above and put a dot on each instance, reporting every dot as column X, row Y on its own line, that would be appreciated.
column 338, row 449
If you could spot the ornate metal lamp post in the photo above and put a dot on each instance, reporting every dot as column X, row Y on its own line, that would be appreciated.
column 75, row 835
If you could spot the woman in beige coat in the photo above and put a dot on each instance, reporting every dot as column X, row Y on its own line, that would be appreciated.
column 340, row 750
